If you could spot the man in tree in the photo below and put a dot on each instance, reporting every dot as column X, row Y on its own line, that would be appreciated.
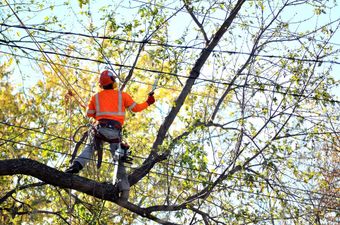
column 108, row 107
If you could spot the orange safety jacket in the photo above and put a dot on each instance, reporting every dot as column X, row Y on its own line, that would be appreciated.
column 111, row 104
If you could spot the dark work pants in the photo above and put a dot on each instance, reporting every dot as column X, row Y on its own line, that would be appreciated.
column 87, row 153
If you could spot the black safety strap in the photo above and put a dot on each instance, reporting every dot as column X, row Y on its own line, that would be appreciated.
column 76, row 147
column 102, row 137
column 97, row 142
column 98, row 145
column 98, row 137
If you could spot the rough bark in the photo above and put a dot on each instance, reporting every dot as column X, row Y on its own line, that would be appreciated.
column 57, row 178
column 154, row 157
column 49, row 175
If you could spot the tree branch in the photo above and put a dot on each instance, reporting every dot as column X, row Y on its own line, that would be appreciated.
column 15, row 212
column 141, row 47
column 190, row 10
column 10, row 193
column 49, row 175
column 57, row 178
column 153, row 158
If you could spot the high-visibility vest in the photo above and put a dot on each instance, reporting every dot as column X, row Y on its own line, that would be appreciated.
column 111, row 104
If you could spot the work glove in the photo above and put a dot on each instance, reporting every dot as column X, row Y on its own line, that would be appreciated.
column 151, row 99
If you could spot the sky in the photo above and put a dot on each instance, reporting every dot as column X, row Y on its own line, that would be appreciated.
column 177, row 25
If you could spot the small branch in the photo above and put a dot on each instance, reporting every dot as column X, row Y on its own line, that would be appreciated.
column 129, row 76
column 144, row 169
column 190, row 10
column 15, row 212
column 194, row 74
column 144, row 212
column 205, row 216
column 10, row 193
column 156, row 158
column 141, row 46
column 205, row 192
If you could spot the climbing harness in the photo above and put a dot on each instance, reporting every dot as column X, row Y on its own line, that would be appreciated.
column 122, row 153
column 98, row 137
column 78, row 143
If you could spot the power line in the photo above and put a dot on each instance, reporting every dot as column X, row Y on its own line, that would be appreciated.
column 172, row 164
column 163, row 174
column 35, row 130
column 219, row 19
column 187, row 179
column 175, row 9
column 177, row 46
column 188, row 77
column 91, row 71
column 49, row 60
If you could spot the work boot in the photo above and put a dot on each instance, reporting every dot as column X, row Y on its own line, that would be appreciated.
column 75, row 168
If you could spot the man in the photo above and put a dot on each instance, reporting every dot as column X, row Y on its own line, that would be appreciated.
column 108, row 108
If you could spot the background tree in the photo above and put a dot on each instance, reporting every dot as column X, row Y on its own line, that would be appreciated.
column 245, row 106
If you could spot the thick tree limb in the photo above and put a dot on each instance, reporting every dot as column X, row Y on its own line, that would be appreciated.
column 194, row 74
column 49, row 175
column 153, row 158
column 57, row 178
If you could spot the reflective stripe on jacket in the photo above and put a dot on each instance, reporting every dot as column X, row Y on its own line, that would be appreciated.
column 111, row 104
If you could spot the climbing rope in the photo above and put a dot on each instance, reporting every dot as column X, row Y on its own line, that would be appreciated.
column 62, row 78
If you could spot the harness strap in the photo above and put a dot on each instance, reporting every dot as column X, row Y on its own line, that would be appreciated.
column 76, row 147
column 98, row 137
column 97, row 145
column 109, row 124
column 102, row 137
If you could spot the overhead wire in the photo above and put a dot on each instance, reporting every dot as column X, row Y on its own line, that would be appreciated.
column 241, row 24
column 185, row 11
column 23, row 25
column 172, row 164
column 180, row 46
column 134, row 81
column 6, row 43
column 188, row 179
column 210, row 81
column 163, row 72
column 163, row 174
column 60, row 75
column 85, row 70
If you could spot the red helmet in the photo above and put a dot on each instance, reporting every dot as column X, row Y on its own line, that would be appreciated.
column 106, row 77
